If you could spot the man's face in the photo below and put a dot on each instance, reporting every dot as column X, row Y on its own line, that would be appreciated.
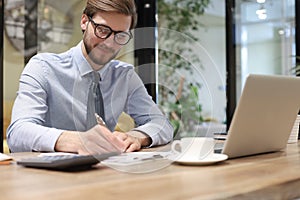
column 101, row 51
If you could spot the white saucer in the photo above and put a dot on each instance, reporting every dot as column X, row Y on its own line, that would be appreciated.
column 206, row 161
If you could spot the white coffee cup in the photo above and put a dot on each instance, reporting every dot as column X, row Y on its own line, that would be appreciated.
column 194, row 148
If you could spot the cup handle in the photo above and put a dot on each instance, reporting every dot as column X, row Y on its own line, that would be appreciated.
column 174, row 144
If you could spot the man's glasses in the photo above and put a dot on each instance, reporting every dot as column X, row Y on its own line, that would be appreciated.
column 103, row 32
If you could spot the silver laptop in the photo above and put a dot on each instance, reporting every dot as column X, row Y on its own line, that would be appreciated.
column 264, row 116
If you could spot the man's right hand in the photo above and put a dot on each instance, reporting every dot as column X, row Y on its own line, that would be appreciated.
column 97, row 140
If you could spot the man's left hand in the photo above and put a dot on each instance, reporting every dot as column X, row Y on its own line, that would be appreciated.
column 134, row 140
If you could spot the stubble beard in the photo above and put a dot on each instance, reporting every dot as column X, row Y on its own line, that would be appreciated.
column 100, row 58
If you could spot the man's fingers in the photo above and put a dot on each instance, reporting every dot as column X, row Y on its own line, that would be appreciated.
column 94, row 145
column 99, row 140
column 133, row 147
column 121, row 135
column 132, row 143
column 112, row 139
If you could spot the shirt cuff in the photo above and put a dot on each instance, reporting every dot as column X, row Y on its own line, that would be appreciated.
column 48, row 140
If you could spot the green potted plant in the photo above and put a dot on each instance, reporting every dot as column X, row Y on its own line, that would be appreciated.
column 179, row 98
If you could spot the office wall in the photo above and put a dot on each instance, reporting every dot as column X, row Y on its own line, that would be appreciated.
column 13, row 66
column 261, row 62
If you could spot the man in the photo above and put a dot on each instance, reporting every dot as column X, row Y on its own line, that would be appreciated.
column 51, row 111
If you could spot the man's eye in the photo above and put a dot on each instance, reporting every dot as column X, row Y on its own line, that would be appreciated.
column 122, row 35
column 103, row 30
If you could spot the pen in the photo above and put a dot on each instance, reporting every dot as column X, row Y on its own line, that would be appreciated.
column 100, row 121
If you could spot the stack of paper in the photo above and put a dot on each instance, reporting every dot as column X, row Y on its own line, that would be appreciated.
column 5, row 159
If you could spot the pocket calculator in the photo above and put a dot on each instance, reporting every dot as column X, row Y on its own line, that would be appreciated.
column 65, row 162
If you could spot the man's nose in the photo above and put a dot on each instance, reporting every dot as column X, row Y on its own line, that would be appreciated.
column 110, row 41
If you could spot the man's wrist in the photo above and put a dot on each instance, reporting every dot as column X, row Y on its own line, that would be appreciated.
column 68, row 141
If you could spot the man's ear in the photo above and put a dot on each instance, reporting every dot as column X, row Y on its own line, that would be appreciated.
column 84, row 22
column 83, row 26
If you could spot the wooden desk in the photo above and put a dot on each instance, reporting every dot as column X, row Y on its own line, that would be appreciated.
column 268, row 176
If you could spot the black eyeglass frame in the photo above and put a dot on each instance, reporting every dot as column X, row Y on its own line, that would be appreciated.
column 111, row 32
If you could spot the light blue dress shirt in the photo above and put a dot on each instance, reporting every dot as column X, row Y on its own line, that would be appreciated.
column 53, row 94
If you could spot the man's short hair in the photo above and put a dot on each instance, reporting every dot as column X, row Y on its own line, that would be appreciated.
column 126, row 7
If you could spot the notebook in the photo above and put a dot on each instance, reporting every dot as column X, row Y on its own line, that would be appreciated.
column 264, row 116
